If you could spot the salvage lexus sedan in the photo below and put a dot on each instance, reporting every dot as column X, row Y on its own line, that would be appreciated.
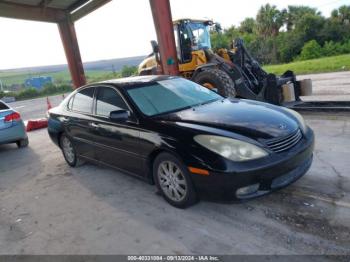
column 186, row 139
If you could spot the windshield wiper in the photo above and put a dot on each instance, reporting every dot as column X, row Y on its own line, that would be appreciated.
column 206, row 102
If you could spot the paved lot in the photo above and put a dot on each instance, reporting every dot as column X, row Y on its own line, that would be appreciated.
column 35, row 108
column 48, row 208
column 330, row 83
column 329, row 86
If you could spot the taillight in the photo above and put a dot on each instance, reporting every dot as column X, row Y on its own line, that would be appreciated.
column 12, row 117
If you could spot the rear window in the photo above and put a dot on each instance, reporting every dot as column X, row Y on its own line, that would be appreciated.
column 83, row 101
column 3, row 106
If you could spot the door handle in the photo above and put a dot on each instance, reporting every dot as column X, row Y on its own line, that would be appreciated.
column 93, row 125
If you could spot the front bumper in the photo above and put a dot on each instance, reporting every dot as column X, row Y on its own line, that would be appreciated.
column 273, row 173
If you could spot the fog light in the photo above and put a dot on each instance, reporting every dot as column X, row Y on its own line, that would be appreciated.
column 243, row 191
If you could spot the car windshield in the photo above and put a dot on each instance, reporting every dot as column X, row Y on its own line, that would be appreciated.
column 170, row 95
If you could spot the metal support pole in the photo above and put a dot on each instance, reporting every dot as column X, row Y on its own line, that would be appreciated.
column 161, row 12
column 71, row 48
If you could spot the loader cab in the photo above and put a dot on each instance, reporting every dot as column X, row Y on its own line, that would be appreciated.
column 191, row 37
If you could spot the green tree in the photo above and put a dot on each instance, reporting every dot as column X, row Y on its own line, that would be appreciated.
column 247, row 26
column 309, row 27
column 331, row 48
column 219, row 40
column 342, row 14
column 59, row 80
column 128, row 71
column 289, row 45
column 232, row 32
column 311, row 50
column 337, row 27
column 224, row 39
column 294, row 13
column 269, row 20
column 27, row 93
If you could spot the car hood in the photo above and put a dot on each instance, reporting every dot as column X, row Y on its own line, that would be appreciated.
column 245, row 117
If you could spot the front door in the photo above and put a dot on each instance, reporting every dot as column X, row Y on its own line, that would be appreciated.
column 117, row 142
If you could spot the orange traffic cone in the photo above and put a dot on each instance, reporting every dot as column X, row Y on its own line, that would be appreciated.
column 48, row 103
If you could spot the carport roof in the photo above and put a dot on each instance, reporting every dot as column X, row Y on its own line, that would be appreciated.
column 48, row 10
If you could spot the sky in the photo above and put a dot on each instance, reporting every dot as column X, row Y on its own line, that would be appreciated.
column 122, row 28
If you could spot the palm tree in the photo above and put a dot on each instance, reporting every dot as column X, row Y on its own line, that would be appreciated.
column 344, row 13
column 269, row 20
column 247, row 26
column 295, row 13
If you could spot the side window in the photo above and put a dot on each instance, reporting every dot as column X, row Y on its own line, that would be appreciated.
column 108, row 100
column 186, row 44
column 177, row 42
column 83, row 100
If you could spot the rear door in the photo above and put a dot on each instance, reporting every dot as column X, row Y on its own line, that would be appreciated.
column 117, row 143
column 77, row 122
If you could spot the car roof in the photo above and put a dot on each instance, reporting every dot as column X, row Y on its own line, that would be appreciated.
column 137, row 80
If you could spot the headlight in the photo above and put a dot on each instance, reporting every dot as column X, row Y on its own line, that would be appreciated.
column 230, row 148
column 300, row 119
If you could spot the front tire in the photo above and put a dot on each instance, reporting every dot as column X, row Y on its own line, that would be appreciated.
column 173, row 181
column 69, row 152
column 213, row 78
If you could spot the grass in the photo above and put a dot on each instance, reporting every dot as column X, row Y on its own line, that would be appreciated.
column 321, row 65
column 10, row 78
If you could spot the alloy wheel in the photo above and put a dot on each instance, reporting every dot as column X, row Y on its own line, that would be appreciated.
column 172, row 181
column 68, row 150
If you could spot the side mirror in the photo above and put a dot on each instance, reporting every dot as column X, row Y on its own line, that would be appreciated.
column 155, row 47
column 119, row 115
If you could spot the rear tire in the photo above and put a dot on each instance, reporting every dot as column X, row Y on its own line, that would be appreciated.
column 22, row 143
column 173, row 181
column 217, row 79
column 69, row 152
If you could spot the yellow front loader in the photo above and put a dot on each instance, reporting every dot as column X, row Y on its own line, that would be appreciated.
column 232, row 73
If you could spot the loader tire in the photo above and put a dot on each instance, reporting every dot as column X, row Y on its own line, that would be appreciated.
column 217, row 79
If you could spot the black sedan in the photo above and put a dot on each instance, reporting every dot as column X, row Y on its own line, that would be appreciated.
column 186, row 139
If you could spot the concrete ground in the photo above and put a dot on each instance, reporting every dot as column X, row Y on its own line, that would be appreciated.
column 329, row 86
column 47, row 207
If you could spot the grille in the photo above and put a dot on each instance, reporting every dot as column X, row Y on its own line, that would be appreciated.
column 283, row 144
